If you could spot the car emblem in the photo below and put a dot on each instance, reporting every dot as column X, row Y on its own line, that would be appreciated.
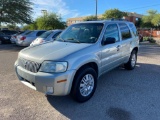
column 25, row 64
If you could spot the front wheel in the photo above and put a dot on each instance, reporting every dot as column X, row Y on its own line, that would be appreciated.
column 130, row 65
column 84, row 84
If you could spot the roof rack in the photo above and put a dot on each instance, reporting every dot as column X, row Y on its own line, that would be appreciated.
column 113, row 19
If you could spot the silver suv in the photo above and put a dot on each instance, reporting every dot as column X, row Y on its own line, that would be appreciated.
column 73, row 63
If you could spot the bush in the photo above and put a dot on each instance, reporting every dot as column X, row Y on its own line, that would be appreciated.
column 145, row 38
column 151, row 40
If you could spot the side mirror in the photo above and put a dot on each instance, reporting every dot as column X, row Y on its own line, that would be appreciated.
column 108, row 40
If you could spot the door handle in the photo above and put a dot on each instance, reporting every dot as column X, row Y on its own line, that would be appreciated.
column 118, row 47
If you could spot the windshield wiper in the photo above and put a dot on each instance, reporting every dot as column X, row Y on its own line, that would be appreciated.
column 74, row 40
column 61, row 39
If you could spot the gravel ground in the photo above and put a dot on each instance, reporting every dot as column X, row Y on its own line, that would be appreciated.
column 120, row 94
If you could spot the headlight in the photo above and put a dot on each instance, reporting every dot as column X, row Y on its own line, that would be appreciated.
column 50, row 66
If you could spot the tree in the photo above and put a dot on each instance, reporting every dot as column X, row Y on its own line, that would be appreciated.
column 156, row 20
column 114, row 13
column 152, row 19
column 26, row 27
column 11, row 26
column 90, row 18
column 49, row 21
column 15, row 11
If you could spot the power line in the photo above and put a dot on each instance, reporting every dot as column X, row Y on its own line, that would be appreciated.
column 143, row 7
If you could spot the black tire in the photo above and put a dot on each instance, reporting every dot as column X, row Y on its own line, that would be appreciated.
column 129, row 65
column 75, row 91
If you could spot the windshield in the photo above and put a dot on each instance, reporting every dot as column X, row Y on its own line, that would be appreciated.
column 82, row 33
column 46, row 34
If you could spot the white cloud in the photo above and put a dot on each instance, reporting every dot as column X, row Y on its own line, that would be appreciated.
column 57, row 6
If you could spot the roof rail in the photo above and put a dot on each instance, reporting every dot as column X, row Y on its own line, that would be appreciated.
column 113, row 19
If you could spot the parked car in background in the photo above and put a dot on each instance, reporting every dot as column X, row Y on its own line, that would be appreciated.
column 9, row 32
column 22, row 34
column 14, row 37
column 27, row 38
column 4, row 38
column 46, row 37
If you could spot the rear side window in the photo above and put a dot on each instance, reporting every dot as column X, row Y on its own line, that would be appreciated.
column 27, row 32
column 55, row 35
column 134, row 30
column 124, row 31
column 40, row 33
column 45, row 34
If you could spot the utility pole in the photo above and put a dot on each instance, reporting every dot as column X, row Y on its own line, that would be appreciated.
column 0, row 17
column 44, row 12
column 96, row 10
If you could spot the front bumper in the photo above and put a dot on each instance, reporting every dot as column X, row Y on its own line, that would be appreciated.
column 40, row 81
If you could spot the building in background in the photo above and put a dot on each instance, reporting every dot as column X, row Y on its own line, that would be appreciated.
column 132, row 17
column 71, row 21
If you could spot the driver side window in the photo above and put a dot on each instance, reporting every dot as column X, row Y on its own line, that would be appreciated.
column 112, row 32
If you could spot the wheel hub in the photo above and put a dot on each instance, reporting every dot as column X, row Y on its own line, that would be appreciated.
column 133, row 60
column 86, row 85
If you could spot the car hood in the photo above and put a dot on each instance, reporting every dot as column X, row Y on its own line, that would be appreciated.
column 55, row 51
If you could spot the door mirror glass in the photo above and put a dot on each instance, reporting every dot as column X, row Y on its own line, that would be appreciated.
column 108, row 40
column 111, row 34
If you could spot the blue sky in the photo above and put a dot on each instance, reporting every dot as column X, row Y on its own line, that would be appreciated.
column 76, row 8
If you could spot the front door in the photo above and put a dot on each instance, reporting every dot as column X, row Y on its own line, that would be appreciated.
column 111, row 52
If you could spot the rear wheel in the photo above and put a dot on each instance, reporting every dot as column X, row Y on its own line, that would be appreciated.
column 84, row 84
column 130, row 65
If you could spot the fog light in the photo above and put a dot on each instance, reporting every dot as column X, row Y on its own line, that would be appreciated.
column 49, row 90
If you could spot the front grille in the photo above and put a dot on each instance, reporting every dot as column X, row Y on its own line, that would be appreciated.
column 29, row 65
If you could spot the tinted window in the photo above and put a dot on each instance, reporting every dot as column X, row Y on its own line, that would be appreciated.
column 124, row 31
column 55, row 35
column 40, row 33
column 46, row 34
column 28, row 32
column 112, row 32
column 13, row 32
column 9, row 32
column 134, row 30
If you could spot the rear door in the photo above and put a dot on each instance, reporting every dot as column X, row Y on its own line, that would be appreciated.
column 34, row 35
column 111, row 53
column 126, row 40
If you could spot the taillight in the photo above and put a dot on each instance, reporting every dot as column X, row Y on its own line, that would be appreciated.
column 41, row 41
column 23, row 38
